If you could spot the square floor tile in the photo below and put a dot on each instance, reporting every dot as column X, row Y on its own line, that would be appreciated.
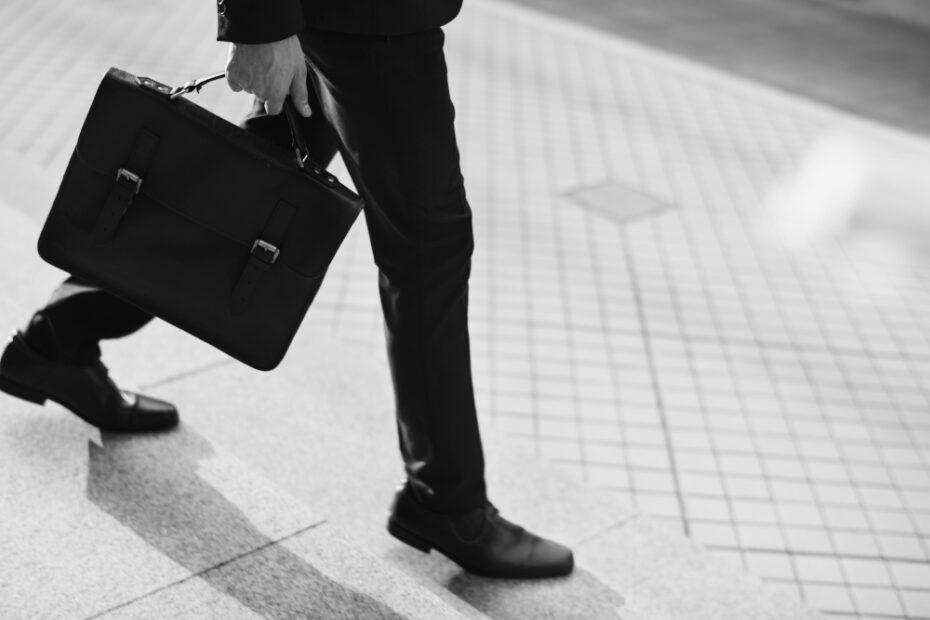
column 860, row 544
column 881, row 497
column 891, row 521
column 760, row 537
column 695, row 440
column 560, row 450
column 605, row 453
column 652, row 458
column 866, row 572
column 882, row 601
column 747, row 511
column 902, row 547
column 770, row 565
column 785, row 491
column 837, row 494
column 829, row 598
column 705, row 485
column 911, row 574
column 808, row 540
column 828, row 472
column 869, row 474
column 741, row 465
column 747, row 488
column 653, row 480
column 806, row 514
column 707, row 508
column 608, row 433
column 713, row 534
column 847, row 518
column 917, row 500
column 916, row 602
column 515, row 425
column 912, row 478
column 696, row 462
column 818, row 569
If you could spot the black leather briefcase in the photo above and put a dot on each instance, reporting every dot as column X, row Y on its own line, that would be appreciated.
column 193, row 219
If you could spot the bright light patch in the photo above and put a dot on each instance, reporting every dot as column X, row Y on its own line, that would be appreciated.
column 819, row 197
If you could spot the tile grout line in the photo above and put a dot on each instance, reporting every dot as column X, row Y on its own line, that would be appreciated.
column 820, row 554
column 650, row 360
column 801, row 282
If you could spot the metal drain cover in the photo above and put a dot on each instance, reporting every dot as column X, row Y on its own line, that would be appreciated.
column 617, row 201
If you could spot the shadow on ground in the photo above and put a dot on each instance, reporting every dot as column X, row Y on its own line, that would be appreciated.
column 151, row 486
column 581, row 596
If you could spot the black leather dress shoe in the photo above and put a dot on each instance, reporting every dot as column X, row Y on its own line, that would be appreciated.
column 85, row 389
column 481, row 541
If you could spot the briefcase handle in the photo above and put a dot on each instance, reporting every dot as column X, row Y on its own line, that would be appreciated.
column 301, row 152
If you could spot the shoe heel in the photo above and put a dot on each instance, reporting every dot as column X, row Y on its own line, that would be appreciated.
column 404, row 535
column 21, row 391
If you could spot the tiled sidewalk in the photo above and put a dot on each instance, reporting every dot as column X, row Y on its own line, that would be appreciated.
column 772, row 403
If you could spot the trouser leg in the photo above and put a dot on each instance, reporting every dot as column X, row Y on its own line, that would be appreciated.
column 77, row 317
column 388, row 100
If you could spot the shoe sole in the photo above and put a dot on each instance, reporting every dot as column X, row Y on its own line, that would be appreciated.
column 14, row 388
column 21, row 391
column 404, row 535
column 416, row 541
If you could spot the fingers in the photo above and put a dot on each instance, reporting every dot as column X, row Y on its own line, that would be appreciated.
column 233, row 85
column 270, row 71
column 274, row 105
column 231, row 66
column 233, row 80
column 298, row 92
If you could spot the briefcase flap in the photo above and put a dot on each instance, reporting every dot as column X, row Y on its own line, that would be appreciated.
column 202, row 168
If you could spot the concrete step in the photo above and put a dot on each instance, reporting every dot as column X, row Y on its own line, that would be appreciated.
column 166, row 525
column 169, row 526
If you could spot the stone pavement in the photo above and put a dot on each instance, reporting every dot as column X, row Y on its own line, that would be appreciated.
column 703, row 297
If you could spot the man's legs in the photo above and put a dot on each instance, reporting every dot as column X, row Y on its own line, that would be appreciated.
column 77, row 317
column 388, row 100
column 58, row 358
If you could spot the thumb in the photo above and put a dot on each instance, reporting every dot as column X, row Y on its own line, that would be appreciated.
column 298, row 93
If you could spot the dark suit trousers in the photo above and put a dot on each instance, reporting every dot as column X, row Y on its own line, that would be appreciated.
column 383, row 102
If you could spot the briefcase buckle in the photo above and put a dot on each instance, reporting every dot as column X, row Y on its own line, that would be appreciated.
column 123, row 174
column 269, row 253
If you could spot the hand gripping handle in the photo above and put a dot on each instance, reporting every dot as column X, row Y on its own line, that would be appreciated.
column 298, row 143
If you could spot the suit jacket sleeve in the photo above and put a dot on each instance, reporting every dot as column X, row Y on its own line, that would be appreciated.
column 258, row 21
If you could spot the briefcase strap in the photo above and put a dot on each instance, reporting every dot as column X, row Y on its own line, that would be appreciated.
column 298, row 143
column 195, row 85
column 126, row 186
column 264, row 253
